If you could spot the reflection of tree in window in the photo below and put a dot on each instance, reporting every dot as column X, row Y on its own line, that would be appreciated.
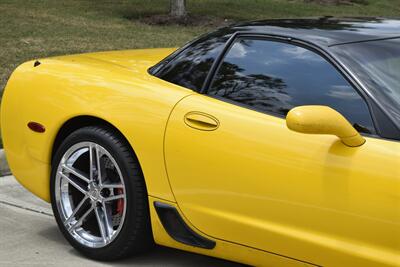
column 256, row 90
column 190, row 68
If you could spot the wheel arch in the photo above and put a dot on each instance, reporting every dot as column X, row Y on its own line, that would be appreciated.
column 77, row 122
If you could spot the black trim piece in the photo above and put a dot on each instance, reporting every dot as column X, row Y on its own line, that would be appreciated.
column 216, row 63
column 178, row 229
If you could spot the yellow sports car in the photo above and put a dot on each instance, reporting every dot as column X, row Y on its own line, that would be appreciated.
column 270, row 143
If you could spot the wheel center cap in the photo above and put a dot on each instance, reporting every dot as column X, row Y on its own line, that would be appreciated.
column 94, row 193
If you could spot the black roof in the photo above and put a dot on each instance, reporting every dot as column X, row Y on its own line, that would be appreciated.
column 326, row 31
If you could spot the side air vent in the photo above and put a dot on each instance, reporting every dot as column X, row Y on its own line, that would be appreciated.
column 178, row 229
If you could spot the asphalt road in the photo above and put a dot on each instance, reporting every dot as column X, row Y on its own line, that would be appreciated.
column 29, row 236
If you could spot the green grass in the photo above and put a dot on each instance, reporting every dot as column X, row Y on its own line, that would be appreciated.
column 37, row 28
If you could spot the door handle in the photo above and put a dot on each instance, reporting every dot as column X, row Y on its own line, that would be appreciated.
column 201, row 121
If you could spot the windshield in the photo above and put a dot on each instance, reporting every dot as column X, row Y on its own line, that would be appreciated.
column 377, row 66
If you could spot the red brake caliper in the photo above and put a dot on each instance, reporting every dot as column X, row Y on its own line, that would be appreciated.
column 120, row 202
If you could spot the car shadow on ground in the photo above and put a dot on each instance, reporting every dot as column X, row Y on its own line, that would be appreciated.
column 159, row 256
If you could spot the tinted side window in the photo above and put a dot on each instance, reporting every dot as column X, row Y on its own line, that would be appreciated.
column 190, row 67
column 274, row 77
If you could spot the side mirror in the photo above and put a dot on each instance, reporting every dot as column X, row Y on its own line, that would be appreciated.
column 323, row 120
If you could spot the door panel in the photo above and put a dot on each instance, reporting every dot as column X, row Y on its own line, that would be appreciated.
column 254, row 182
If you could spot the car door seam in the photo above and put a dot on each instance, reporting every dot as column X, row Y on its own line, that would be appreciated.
column 164, row 137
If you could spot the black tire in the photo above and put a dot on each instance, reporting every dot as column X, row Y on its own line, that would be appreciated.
column 135, row 235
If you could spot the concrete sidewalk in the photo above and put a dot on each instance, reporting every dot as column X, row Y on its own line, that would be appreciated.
column 29, row 236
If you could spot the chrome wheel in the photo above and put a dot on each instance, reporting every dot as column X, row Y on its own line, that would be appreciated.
column 90, row 194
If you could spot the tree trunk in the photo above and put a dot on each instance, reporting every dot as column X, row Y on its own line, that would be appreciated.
column 178, row 8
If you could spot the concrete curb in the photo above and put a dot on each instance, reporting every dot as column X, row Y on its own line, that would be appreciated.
column 4, row 169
